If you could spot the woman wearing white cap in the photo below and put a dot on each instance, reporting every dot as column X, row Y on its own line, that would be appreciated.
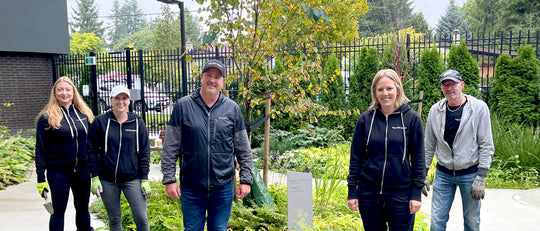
column 119, row 160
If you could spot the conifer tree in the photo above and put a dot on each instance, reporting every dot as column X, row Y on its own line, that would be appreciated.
column 499, row 85
column 526, row 67
column 360, row 82
column 461, row 60
column 85, row 19
column 430, row 68
column 454, row 18
column 333, row 93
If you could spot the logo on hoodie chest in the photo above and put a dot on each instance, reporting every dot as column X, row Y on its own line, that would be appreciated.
column 399, row 128
column 130, row 130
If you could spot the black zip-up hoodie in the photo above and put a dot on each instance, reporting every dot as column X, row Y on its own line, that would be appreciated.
column 118, row 152
column 63, row 149
column 387, row 154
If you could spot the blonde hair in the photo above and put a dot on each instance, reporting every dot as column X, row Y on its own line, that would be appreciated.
column 52, row 110
column 400, row 98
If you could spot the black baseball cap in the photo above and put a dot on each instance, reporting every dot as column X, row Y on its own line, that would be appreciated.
column 452, row 75
column 215, row 64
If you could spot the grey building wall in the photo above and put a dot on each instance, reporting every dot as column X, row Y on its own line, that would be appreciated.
column 31, row 32
column 37, row 26
column 25, row 81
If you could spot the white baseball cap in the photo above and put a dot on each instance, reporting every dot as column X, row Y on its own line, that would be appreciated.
column 118, row 90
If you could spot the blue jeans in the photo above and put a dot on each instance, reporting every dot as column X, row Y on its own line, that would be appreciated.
column 195, row 204
column 137, row 203
column 444, row 190
column 378, row 210
column 60, row 183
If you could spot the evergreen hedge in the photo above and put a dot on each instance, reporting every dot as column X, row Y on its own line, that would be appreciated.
column 461, row 60
column 430, row 68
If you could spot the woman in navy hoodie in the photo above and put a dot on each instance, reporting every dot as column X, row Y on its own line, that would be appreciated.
column 62, row 127
column 119, row 156
column 387, row 168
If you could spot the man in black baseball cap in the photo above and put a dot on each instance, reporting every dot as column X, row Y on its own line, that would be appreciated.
column 215, row 64
column 452, row 75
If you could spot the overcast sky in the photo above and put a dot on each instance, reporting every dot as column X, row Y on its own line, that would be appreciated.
column 432, row 9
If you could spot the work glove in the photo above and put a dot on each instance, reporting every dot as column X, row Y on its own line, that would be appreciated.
column 425, row 189
column 96, row 187
column 145, row 188
column 42, row 187
column 478, row 187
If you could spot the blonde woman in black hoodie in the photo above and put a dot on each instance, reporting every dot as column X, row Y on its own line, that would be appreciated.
column 61, row 159
column 387, row 168
column 119, row 156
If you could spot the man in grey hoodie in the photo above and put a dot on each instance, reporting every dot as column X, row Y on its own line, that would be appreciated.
column 458, row 130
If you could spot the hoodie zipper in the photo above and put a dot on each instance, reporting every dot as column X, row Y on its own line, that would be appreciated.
column 208, row 153
column 118, row 155
column 385, row 154
column 74, row 136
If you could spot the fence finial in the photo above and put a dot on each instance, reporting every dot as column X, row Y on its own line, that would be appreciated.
column 457, row 36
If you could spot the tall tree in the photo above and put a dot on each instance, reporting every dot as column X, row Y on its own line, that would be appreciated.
column 127, row 19
column 166, row 30
column 82, row 44
column 85, row 19
column 385, row 16
column 454, row 18
column 255, row 29
column 511, row 15
column 481, row 17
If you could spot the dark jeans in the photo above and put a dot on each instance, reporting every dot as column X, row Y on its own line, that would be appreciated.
column 376, row 210
column 195, row 204
column 60, row 183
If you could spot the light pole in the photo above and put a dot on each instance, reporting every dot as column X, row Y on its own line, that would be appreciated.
column 182, row 43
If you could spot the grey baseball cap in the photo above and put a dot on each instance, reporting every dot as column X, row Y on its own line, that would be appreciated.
column 215, row 64
column 452, row 75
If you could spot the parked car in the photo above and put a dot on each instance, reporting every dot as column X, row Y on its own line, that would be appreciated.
column 156, row 101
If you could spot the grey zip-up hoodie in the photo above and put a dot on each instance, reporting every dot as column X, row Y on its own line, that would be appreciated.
column 473, row 143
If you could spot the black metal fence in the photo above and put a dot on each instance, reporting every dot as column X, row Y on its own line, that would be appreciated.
column 155, row 76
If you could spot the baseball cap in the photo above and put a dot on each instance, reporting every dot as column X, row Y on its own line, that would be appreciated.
column 452, row 75
column 119, row 89
column 215, row 64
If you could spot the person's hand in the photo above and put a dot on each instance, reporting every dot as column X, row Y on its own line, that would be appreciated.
column 42, row 187
column 96, row 187
column 425, row 189
column 243, row 190
column 173, row 190
column 478, row 187
column 414, row 206
column 146, row 189
column 353, row 204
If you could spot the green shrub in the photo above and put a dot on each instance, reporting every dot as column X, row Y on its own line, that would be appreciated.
column 517, row 156
column 429, row 69
column 461, row 60
column 16, row 154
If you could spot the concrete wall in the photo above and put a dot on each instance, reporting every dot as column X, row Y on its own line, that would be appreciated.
column 37, row 26
column 25, row 81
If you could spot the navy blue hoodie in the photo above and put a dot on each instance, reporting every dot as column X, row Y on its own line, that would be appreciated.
column 387, row 154
column 119, row 152
column 63, row 149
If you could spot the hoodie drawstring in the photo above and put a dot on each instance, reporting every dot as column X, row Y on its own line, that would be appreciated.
column 107, row 134
column 404, row 138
